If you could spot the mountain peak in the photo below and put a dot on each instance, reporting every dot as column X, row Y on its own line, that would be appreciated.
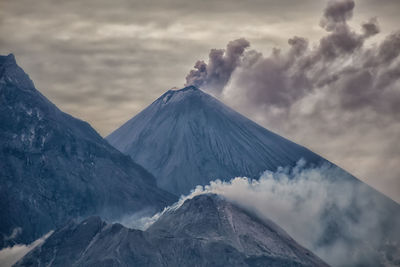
column 204, row 202
column 173, row 95
column 187, row 88
column 188, row 138
column 59, row 167
column 9, row 59
column 12, row 74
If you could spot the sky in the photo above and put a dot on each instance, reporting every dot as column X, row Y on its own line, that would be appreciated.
column 321, row 73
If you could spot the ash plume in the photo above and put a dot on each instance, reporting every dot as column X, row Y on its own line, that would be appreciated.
column 328, row 95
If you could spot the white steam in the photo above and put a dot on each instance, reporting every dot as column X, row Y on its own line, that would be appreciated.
column 10, row 255
column 336, row 218
column 323, row 208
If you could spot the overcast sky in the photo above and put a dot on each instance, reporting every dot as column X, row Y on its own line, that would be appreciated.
column 104, row 61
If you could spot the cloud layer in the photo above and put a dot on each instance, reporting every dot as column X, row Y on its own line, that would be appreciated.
column 339, row 95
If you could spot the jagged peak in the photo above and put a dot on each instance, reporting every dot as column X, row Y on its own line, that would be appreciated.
column 9, row 60
column 207, row 199
column 11, row 73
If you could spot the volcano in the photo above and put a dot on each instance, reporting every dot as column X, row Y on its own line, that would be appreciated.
column 188, row 138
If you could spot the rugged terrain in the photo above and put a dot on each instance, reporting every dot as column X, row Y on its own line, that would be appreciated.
column 204, row 231
column 54, row 167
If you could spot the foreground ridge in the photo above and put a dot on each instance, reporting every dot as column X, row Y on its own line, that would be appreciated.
column 204, row 231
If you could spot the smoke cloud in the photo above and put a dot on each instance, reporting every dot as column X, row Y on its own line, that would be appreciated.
column 337, row 219
column 10, row 255
column 283, row 78
column 337, row 12
column 322, row 208
column 221, row 64
column 327, row 95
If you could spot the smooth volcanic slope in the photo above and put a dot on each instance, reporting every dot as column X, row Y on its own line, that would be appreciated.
column 187, row 138
column 204, row 231
column 54, row 167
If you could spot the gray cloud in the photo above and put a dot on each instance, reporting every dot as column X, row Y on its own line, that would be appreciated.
column 371, row 27
column 221, row 64
column 336, row 13
column 336, row 88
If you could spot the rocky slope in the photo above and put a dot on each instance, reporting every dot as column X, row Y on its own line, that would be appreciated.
column 54, row 167
column 204, row 231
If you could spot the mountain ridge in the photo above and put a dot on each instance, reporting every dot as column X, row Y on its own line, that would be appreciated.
column 218, row 239
column 54, row 167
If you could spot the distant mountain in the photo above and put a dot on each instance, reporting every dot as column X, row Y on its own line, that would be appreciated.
column 54, row 167
column 204, row 231
column 187, row 138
